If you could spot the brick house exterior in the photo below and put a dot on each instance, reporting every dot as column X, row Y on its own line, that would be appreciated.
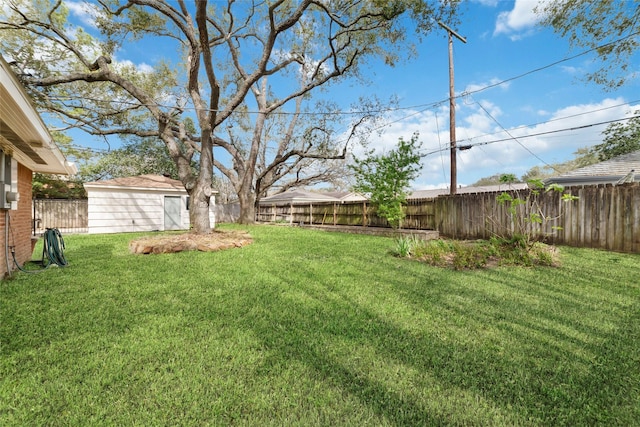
column 20, row 224
column 29, row 147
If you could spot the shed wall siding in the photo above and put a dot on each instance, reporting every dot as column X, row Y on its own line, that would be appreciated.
column 117, row 211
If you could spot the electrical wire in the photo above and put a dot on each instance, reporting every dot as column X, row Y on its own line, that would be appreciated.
column 512, row 137
column 584, row 113
column 444, row 173
column 468, row 146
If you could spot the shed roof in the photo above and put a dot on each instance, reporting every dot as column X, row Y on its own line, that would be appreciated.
column 143, row 182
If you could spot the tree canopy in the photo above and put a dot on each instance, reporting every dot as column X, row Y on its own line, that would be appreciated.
column 243, row 83
column 148, row 156
column 610, row 27
column 619, row 138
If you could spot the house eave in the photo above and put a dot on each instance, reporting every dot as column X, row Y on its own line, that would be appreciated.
column 23, row 134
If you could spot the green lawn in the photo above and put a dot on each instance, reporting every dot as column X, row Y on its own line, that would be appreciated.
column 310, row 328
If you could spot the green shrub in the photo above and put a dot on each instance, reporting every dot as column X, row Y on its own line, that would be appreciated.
column 403, row 247
column 463, row 255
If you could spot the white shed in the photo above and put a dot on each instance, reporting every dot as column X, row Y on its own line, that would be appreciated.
column 139, row 203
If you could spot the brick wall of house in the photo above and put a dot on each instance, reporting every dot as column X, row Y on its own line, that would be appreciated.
column 20, row 225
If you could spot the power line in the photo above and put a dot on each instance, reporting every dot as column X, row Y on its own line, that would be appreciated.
column 553, row 120
column 513, row 137
column 468, row 146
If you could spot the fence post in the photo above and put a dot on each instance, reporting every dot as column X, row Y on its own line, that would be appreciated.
column 335, row 213
column 364, row 214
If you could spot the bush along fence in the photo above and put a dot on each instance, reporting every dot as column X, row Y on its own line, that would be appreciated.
column 599, row 216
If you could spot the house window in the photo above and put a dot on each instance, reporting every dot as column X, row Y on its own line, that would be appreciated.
column 188, row 202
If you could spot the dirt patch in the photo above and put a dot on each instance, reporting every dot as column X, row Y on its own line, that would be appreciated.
column 169, row 243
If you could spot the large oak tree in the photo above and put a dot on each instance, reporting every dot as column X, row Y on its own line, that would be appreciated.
column 243, row 85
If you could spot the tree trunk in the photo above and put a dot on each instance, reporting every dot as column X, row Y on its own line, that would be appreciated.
column 199, row 209
column 247, row 207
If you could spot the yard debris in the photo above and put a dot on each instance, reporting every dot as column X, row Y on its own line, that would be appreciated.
column 171, row 243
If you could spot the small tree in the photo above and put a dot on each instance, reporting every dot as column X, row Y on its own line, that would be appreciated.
column 386, row 178
column 526, row 212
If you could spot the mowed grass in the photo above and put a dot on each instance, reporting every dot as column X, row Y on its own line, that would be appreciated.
column 312, row 328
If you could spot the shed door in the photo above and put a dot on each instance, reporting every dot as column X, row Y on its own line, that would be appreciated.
column 172, row 220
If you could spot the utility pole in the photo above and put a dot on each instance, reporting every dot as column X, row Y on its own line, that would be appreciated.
column 452, row 109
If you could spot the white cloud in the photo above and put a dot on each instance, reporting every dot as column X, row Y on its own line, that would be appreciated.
column 571, row 70
column 493, row 82
column 519, row 21
column 490, row 3
column 494, row 149
column 142, row 67
column 85, row 12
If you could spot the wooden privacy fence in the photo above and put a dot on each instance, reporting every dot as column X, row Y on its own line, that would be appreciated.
column 420, row 214
column 603, row 216
column 67, row 215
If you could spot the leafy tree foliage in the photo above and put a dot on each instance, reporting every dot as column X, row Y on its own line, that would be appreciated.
column 386, row 178
column 490, row 180
column 610, row 26
column 46, row 186
column 221, row 93
column 619, row 138
column 147, row 157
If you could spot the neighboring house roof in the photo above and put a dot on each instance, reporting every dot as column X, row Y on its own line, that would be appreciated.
column 610, row 171
column 140, row 182
column 346, row 196
column 23, row 134
column 431, row 194
column 303, row 196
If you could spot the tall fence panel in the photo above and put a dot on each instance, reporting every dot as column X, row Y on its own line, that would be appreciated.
column 603, row 216
column 67, row 215
column 227, row 212
column 419, row 214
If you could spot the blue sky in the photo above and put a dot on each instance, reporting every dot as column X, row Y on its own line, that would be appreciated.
column 503, row 41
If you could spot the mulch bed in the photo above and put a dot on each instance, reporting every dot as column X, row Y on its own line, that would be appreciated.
column 170, row 243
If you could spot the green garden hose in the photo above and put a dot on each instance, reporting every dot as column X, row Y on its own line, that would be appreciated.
column 53, row 250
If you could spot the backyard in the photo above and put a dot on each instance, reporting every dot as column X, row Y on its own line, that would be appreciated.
column 305, row 327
